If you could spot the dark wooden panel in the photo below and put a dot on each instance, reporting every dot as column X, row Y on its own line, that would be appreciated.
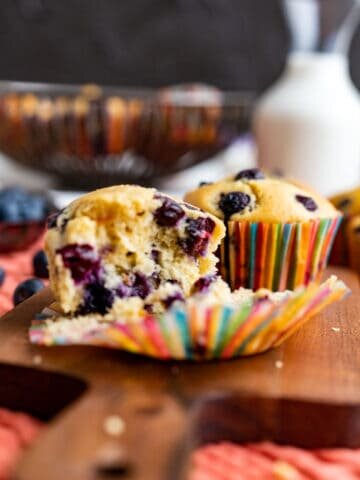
column 159, row 402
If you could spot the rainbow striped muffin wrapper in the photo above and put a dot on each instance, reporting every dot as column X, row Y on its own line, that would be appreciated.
column 197, row 332
column 277, row 256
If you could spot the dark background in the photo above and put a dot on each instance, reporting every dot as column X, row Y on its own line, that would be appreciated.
column 234, row 44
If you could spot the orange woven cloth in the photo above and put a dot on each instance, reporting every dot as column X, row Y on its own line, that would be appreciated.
column 17, row 432
column 268, row 461
column 18, row 267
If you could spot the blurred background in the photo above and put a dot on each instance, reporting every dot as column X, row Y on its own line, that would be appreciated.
column 232, row 44
column 73, row 139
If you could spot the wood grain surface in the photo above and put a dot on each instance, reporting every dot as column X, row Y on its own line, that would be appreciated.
column 311, row 382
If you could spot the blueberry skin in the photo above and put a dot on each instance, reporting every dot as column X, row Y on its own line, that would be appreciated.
column 307, row 202
column 83, row 262
column 175, row 297
column 33, row 208
column 9, row 211
column 202, row 285
column 233, row 202
column 17, row 205
column 26, row 289
column 97, row 299
column 198, row 232
column 169, row 214
column 40, row 264
column 13, row 194
column 2, row 276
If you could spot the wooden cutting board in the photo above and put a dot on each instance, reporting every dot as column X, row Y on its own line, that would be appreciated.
column 136, row 418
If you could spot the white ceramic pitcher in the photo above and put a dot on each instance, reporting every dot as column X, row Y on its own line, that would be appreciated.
column 307, row 125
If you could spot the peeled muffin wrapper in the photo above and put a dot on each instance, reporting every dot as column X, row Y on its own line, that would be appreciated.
column 195, row 331
column 277, row 256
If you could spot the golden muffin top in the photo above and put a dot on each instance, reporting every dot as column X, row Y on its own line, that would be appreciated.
column 126, row 204
column 253, row 196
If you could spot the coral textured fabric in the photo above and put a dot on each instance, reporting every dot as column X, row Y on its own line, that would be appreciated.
column 18, row 267
column 268, row 461
column 17, row 431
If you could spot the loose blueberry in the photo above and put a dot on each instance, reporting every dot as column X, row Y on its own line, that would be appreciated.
column 2, row 276
column 26, row 289
column 9, row 212
column 17, row 205
column 202, row 285
column 250, row 174
column 169, row 214
column 82, row 261
column 233, row 202
column 97, row 299
column 307, row 202
column 32, row 208
column 40, row 264
column 198, row 232
column 13, row 194
column 175, row 297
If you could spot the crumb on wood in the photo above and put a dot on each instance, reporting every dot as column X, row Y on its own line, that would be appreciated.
column 335, row 329
column 114, row 425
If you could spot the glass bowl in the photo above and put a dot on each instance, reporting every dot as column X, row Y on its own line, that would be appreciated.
column 92, row 136
column 20, row 228
column 19, row 236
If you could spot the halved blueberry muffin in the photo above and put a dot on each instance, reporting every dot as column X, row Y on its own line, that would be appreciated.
column 128, row 250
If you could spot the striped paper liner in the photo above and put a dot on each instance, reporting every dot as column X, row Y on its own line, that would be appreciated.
column 197, row 332
column 277, row 256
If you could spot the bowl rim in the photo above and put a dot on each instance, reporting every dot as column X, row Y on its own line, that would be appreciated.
column 228, row 97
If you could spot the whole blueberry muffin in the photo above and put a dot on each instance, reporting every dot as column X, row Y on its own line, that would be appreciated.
column 279, row 233
column 126, row 251
column 352, row 232
column 348, row 202
column 347, row 242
